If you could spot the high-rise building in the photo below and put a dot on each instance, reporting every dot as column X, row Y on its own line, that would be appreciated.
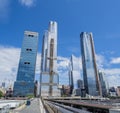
column 90, row 72
column 79, row 90
column 80, row 83
column 24, row 84
column 74, row 74
column 103, row 83
column 70, row 74
column 3, row 84
column 49, row 76
column 44, row 53
column 112, row 91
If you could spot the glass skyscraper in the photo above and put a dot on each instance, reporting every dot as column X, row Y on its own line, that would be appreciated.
column 24, row 84
column 49, row 76
column 73, row 71
column 90, row 72
column 103, row 82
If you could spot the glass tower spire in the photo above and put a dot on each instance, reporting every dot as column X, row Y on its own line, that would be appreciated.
column 90, row 72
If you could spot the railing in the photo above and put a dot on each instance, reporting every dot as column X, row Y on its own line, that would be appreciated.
column 53, row 107
column 5, row 109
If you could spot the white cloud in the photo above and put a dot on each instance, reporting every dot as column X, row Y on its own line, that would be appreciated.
column 113, row 76
column 63, row 69
column 113, row 71
column 28, row 3
column 9, row 58
column 63, row 77
column 62, row 62
column 4, row 9
column 115, row 60
column 77, row 64
column 101, row 61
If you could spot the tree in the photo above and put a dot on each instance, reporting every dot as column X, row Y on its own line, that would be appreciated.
column 1, row 94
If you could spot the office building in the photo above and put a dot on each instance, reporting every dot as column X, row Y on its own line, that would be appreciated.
column 74, row 74
column 90, row 72
column 44, row 53
column 80, row 83
column 80, row 87
column 103, row 83
column 112, row 92
column 70, row 75
column 24, row 84
column 49, row 76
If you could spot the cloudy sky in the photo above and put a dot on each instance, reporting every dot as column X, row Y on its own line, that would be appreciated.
column 102, row 18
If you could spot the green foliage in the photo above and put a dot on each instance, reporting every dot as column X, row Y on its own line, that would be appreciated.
column 113, row 97
column 64, row 95
column 1, row 94
column 30, row 96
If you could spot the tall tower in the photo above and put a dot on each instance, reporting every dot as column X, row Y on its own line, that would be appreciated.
column 73, row 68
column 90, row 72
column 44, row 53
column 49, row 76
column 70, row 74
column 103, row 82
column 24, row 84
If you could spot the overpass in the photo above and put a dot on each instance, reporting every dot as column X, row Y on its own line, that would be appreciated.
column 81, row 105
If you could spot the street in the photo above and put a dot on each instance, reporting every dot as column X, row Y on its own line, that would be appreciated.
column 34, row 107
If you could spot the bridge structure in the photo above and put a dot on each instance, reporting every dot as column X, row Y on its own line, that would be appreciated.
column 81, row 105
column 65, row 105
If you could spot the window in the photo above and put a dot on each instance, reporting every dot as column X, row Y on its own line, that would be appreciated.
column 30, row 35
column 28, row 49
column 26, row 62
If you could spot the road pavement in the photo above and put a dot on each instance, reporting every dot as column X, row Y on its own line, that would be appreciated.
column 34, row 107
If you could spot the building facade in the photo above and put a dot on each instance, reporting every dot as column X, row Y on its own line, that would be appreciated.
column 49, row 76
column 74, row 74
column 103, row 83
column 112, row 92
column 24, row 84
column 90, row 72
column 70, row 74
column 80, row 83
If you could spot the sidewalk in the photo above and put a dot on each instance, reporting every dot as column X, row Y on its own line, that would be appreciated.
column 16, row 110
column 42, row 109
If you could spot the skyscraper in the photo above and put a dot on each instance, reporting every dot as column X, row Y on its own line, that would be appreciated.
column 70, row 74
column 80, row 83
column 74, row 74
column 90, row 72
column 103, row 83
column 49, row 76
column 24, row 84
column 44, row 53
